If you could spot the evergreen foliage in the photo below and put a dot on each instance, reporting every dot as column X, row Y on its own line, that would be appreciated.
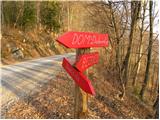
column 49, row 15
column 10, row 10
column 24, row 14
column 29, row 15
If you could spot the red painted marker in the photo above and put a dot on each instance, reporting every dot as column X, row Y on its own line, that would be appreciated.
column 83, row 39
column 87, row 60
column 83, row 82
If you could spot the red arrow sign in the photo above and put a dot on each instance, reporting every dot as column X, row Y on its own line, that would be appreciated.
column 87, row 60
column 78, row 77
column 83, row 40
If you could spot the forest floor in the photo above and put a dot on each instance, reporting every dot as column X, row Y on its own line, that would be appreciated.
column 56, row 100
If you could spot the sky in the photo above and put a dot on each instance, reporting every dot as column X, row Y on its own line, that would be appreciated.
column 156, row 28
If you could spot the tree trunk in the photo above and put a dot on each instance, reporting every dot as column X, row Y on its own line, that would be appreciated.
column 135, row 6
column 140, row 47
column 156, row 106
column 118, row 67
column 19, row 14
column 68, row 15
column 149, row 51
column 38, row 14
column 81, row 97
column 124, row 70
column 116, row 34
column 2, row 14
column 152, row 82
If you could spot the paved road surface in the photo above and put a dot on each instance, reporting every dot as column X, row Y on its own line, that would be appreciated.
column 22, row 79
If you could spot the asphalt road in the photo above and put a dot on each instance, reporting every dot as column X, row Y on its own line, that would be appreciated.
column 25, row 78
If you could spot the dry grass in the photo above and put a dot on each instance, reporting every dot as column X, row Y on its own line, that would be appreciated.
column 33, row 44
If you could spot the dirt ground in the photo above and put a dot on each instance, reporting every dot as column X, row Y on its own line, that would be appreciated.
column 56, row 100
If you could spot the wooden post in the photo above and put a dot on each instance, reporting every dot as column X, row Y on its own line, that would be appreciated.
column 81, row 97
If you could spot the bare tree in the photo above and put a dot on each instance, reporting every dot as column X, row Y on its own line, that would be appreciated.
column 20, row 13
column 140, row 44
column 149, row 51
column 156, row 106
column 2, row 13
column 135, row 8
column 38, row 24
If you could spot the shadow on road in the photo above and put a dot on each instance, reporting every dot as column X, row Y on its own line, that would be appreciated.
column 23, row 80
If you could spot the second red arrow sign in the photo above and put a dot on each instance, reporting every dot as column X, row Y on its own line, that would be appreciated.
column 87, row 60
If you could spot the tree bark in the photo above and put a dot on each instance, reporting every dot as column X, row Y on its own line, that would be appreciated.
column 19, row 14
column 116, row 34
column 140, row 47
column 134, row 17
column 135, row 6
column 68, row 10
column 38, row 14
column 156, row 106
column 2, row 14
column 144, row 85
column 152, row 82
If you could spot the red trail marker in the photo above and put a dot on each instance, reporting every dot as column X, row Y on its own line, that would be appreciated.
column 87, row 60
column 83, row 39
column 82, row 81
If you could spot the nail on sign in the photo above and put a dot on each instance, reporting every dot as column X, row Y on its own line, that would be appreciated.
column 83, row 40
column 87, row 60
column 83, row 82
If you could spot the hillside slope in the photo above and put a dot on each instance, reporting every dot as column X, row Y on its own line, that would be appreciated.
column 18, row 45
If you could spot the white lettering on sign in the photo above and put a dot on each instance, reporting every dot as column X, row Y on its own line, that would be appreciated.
column 92, row 40
column 81, row 39
column 87, row 37
column 75, row 38
column 88, row 60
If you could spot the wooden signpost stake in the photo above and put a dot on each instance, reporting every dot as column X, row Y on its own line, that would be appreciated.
column 81, row 97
